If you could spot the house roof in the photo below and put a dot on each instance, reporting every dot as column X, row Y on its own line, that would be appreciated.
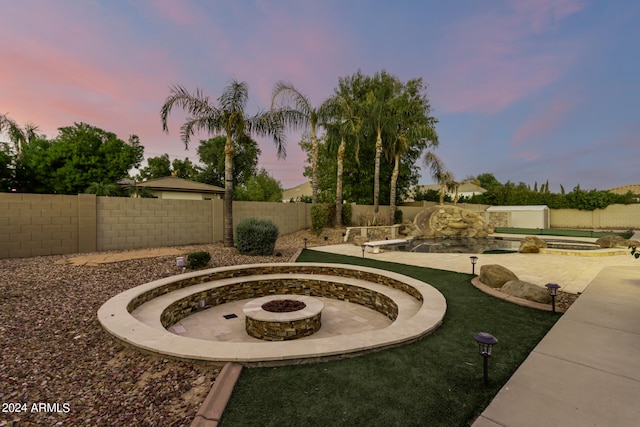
column 519, row 208
column 303, row 189
column 173, row 183
column 466, row 187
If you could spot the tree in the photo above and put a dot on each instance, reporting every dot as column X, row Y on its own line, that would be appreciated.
column 298, row 113
column 379, row 119
column 227, row 118
column 7, row 168
column 342, row 116
column 157, row 167
column 79, row 156
column 185, row 169
column 260, row 188
column 103, row 189
column 438, row 172
column 17, row 135
column 245, row 160
column 414, row 127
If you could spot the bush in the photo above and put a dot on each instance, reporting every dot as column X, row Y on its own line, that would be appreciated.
column 397, row 217
column 319, row 218
column 347, row 212
column 331, row 214
column 256, row 236
column 370, row 219
column 198, row 259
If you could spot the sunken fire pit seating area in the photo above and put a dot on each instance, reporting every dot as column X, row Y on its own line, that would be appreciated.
column 414, row 307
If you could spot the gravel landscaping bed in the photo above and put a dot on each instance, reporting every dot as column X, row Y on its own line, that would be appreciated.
column 58, row 366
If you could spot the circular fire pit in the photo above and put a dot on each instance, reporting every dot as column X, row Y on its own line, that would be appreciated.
column 283, row 325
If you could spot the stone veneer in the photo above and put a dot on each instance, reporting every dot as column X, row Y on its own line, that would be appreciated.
column 417, row 308
column 275, row 326
column 255, row 288
column 258, row 288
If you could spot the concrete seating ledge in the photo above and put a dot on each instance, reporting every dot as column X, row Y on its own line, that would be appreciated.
column 375, row 246
column 151, row 336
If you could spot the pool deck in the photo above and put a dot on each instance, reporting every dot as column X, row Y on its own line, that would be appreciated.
column 586, row 370
column 572, row 272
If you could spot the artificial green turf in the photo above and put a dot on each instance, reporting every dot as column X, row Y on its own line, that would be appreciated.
column 561, row 232
column 436, row 381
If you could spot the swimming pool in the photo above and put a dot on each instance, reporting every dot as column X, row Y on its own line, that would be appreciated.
column 475, row 245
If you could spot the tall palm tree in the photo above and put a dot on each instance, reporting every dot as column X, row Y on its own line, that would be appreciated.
column 379, row 112
column 342, row 117
column 228, row 118
column 19, row 136
column 438, row 172
column 296, row 110
column 414, row 127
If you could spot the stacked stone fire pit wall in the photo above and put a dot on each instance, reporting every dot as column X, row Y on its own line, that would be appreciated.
column 278, row 286
column 271, row 269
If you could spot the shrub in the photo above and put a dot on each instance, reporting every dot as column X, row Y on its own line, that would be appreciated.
column 347, row 212
column 319, row 218
column 371, row 219
column 331, row 214
column 256, row 236
column 397, row 217
column 198, row 259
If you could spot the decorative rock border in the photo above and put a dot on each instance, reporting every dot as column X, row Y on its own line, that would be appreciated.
column 272, row 326
column 174, row 298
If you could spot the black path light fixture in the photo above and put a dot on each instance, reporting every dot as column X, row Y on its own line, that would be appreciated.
column 305, row 242
column 363, row 247
column 474, row 260
column 553, row 292
column 485, row 341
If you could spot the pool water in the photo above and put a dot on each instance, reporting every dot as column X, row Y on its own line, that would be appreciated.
column 471, row 245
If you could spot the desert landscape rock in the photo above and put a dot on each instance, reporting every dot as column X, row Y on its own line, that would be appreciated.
column 495, row 276
column 451, row 221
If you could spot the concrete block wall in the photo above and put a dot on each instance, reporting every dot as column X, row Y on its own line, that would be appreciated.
column 287, row 216
column 50, row 224
column 613, row 217
column 133, row 223
column 38, row 224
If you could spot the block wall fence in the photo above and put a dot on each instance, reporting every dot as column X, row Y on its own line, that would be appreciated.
column 51, row 224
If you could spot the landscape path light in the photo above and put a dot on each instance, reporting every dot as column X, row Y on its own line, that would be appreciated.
column 305, row 242
column 473, row 259
column 553, row 291
column 485, row 341
column 363, row 247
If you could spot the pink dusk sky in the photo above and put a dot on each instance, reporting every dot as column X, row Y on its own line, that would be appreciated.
column 529, row 90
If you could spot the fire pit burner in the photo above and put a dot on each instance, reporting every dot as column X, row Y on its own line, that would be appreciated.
column 283, row 305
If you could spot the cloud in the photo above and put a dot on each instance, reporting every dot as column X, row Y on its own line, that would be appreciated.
column 498, row 57
column 536, row 128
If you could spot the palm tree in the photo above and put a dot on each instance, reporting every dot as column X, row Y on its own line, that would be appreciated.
column 17, row 135
column 414, row 127
column 103, row 189
column 380, row 119
column 341, row 115
column 227, row 118
column 296, row 110
column 438, row 172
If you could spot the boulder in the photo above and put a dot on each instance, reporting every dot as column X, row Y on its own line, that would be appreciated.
column 495, row 276
column 611, row 241
column 531, row 245
column 451, row 221
column 526, row 290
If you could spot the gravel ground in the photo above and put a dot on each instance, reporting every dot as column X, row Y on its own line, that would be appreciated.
column 58, row 366
column 56, row 355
